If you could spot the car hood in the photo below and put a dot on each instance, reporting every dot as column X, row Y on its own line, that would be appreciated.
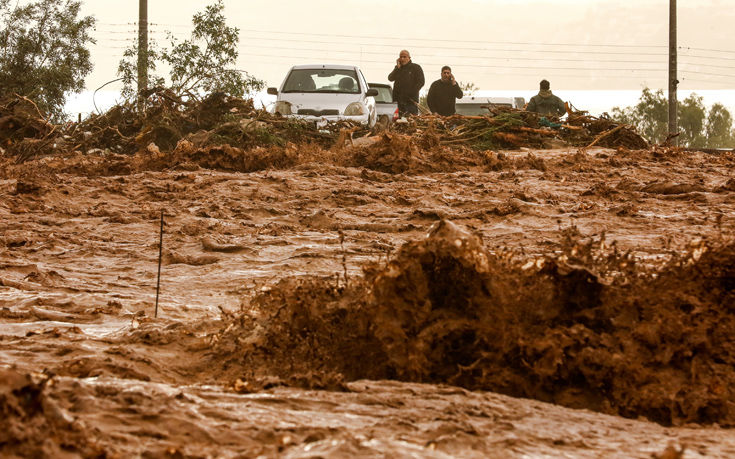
column 321, row 101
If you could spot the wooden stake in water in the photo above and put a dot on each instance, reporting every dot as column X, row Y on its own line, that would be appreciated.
column 160, row 255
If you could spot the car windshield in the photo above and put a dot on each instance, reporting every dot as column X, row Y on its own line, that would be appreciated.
column 322, row 80
column 384, row 95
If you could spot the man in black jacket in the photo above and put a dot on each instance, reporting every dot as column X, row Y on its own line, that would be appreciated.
column 443, row 93
column 408, row 78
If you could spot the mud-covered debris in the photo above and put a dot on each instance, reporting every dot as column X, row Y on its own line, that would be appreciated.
column 392, row 153
column 727, row 186
column 585, row 130
column 220, row 120
column 34, row 425
column 216, row 120
column 671, row 188
column 504, row 127
column 589, row 328
column 20, row 119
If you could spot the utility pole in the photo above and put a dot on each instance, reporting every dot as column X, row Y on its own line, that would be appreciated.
column 142, row 52
column 673, row 82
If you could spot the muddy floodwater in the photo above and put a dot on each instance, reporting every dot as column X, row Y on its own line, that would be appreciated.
column 544, row 303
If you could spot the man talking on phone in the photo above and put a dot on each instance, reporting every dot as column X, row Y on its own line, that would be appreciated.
column 443, row 92
column 408, row 78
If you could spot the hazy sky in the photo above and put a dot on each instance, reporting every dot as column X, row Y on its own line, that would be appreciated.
column 503, row 44
column 495, row 44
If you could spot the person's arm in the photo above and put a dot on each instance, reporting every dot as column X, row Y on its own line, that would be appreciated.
column 394, row 74
column 458, row 91
column 431, row 98
column 562, row 107
column 419, row 78
column 531, row 107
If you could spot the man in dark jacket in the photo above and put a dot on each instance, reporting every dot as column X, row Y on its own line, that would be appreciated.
column 443, row 92
column 408, row 78
column 545, row 103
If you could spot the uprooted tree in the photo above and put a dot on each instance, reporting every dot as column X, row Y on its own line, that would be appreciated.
column 201, row 65
column 43, row 52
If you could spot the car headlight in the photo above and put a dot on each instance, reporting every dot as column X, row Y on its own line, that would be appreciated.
column 355, row 109
column 283, row 107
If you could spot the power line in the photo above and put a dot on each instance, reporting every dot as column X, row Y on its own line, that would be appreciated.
column 392, row 38
column 708, row 65
column 485, row 57
column 710, row 57
column 382, row 53
column 702, row 81
column 707, row 49
column 712, row 74
column 469, row 64
column 293, row 40
column 454, row 48
column 460, row 64
column 426, row 39
column 456, row 56
column 466, row 64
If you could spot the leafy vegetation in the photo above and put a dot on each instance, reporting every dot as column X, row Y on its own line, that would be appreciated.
column 203, row 64
column 699, row 127
column 469, row 88
column 44, row 54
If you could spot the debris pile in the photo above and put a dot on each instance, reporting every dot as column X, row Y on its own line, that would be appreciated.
column 24, row 132
column 507, row 129
column 216, row 120
column 585, row 130
column 223, row 120
column 504, row 128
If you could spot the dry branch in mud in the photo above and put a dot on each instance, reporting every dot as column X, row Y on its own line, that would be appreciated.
column 587, row 329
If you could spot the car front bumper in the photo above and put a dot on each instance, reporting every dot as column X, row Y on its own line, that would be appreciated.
column 323, row 120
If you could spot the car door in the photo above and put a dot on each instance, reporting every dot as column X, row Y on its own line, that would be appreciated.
column 369, row 101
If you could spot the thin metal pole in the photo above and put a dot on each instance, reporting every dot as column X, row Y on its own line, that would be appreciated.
column 142, row 52
column 160, row 256
column 673, row 82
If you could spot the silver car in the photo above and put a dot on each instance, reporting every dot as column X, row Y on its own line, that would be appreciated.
column 385, row 106
column 323, row 93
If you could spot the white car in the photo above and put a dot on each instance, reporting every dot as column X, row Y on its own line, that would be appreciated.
column 475, row 105
column 324, row 93
column 385, row 106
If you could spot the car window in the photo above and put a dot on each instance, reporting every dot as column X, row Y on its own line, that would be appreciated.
column 322, row 80
column 384, row 95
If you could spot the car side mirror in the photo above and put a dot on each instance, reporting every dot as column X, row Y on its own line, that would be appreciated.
column 273, row 91
column 372, row 92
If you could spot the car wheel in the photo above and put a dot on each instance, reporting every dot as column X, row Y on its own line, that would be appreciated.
column 382, row 122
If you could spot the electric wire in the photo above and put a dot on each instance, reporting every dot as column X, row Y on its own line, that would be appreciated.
column 461, row 60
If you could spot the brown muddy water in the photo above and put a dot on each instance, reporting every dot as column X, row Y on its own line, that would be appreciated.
column 369, row 302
